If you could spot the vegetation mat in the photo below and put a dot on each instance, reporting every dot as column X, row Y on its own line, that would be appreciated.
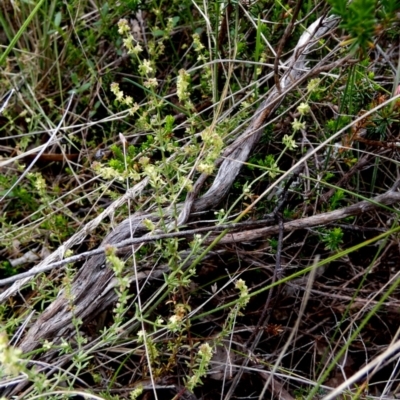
column 199, row 199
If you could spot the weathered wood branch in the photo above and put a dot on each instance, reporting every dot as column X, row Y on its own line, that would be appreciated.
column 323, row 219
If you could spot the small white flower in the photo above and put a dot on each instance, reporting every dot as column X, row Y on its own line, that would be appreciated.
column 152, row 82
column 303, row 108
column 297, row 125
column 289, row 142
column 146, row 67
column 182, row 85
column 313, row 85
column 123, row 26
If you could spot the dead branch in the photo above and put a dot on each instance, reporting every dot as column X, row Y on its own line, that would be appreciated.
column 385, row 199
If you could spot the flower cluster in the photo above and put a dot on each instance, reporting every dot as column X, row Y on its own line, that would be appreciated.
column 203, row 359
column 214, row 144
column 10, row 357
column 303, row 109
column 182, row 86
column 130, row 43
column 121, row 98
column 133, row 47
column 244, row 292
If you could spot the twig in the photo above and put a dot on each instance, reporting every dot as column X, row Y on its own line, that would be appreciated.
column 122, row 245
column 382, row 200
